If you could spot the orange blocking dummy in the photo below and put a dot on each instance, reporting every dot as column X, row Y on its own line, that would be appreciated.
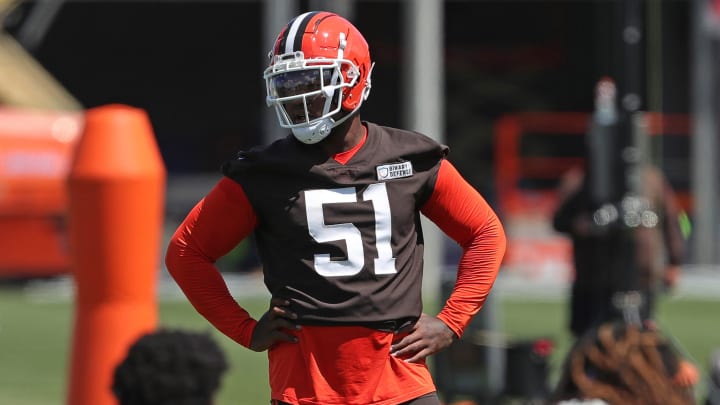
column 116, row 206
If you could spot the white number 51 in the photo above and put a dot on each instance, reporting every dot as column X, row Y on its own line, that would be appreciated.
column 377, row 193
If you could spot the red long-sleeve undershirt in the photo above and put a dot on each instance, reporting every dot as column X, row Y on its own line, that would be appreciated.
column 464, row 215
column 225, row 217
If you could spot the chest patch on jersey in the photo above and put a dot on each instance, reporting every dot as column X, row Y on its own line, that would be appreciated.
column 394, row 171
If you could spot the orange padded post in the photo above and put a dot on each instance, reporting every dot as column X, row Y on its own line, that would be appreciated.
column 116, row 206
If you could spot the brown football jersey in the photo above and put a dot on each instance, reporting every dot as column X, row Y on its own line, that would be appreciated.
column 343, row 242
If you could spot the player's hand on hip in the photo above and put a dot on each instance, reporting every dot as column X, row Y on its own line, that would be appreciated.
column 429, row 335
column 275, row 326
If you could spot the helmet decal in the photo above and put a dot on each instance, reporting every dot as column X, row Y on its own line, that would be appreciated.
column 291, row 41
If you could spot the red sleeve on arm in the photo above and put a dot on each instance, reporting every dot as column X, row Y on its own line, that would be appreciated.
column 464, row 215
column 212, row 229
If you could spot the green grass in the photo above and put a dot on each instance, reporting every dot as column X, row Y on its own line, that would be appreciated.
column 35, row 340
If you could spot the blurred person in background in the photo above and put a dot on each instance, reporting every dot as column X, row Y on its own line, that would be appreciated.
column 607, row 252
column 658, row 251
column 170, row 367
column 624, row 223
column 713, row 396
column 335, row 208
column 621, row 363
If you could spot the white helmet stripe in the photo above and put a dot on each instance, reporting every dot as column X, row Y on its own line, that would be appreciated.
column 298, row 25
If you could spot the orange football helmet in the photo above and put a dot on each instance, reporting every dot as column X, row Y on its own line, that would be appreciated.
column 319, row 74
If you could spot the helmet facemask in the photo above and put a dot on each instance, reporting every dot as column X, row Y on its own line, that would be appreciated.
column 308, row 93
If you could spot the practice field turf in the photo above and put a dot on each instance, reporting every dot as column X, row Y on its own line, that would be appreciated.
column 35, row 333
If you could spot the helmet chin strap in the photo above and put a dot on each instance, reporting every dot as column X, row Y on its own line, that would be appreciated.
column 315, row 132
column 319, row 130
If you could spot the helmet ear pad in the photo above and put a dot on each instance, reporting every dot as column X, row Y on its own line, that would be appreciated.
column 352, row 96
column 349, row 101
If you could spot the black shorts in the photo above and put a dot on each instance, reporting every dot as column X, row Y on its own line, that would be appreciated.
column 590, row 307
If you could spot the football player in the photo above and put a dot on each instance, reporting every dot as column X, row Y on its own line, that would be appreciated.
column 335, row 208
